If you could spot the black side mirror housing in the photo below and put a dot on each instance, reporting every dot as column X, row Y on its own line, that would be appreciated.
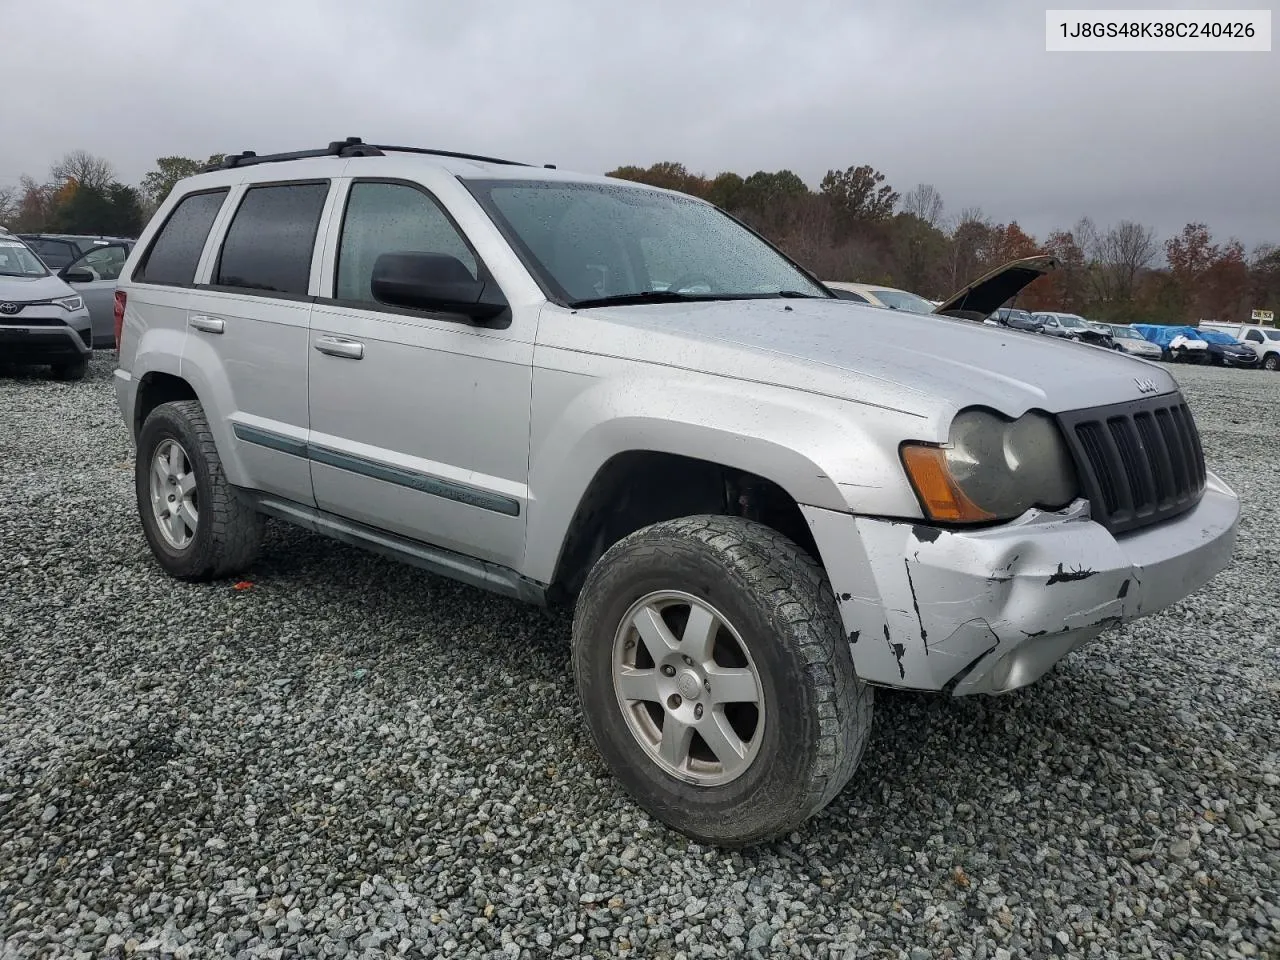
column 77, row 275
column 435, row 281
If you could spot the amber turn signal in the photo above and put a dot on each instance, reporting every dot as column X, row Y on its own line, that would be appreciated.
column 942, row 499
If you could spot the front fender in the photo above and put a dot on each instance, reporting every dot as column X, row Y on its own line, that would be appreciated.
column 827, row 453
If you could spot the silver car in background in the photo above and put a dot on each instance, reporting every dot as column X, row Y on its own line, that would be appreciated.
column 42, row 320
column 1132, row 342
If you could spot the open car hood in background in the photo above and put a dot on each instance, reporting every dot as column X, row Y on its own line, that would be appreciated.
column 988, row 293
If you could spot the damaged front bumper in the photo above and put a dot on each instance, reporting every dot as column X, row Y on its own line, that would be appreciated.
column 988, row 611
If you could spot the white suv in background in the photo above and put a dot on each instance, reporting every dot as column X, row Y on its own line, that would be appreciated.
column 1264, row 341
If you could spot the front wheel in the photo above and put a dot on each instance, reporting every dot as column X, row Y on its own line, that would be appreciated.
column 198, row 525
column 72, row 370
column 716, row 680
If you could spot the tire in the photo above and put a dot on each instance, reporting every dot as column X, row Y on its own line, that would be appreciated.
column 227, row 530
column 778, row 602
column 75, row 370
column 1271, row 362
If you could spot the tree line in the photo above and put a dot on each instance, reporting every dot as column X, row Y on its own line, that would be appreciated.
column 854, row 226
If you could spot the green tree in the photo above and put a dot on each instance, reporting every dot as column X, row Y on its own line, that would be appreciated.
column 159, row 183
column 859, row 194
column 113, row 210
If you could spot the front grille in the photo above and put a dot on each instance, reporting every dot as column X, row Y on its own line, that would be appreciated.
column 1139, row 462
column 21, row 321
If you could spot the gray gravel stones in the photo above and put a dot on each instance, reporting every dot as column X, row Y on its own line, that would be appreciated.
column 351, row 758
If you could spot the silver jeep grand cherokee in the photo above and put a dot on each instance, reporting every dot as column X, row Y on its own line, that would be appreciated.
column 760, row 501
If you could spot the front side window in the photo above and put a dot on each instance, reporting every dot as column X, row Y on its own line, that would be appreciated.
column 175, row 254
column 593, row 242
column 1254, row 336
column 17, row 260
column 271, row 239
column 391, row 218
column 105, row 263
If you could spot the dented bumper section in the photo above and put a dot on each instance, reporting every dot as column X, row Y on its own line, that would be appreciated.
column 988, row 611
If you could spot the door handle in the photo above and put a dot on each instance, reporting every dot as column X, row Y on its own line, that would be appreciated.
column 208, row 324
column 338, row 347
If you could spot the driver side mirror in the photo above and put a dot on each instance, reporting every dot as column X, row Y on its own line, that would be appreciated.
column 435, row 281
column 77, row 275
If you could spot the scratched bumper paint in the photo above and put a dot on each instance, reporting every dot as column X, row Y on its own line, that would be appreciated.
column 987, row 611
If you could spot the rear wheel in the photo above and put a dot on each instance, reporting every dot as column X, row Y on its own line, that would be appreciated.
column 716, row 679
column 198, row 525
column 1271, row 362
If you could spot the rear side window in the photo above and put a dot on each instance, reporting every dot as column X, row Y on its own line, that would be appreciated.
column 271, row 239
column 391, row 218
column 176, row 251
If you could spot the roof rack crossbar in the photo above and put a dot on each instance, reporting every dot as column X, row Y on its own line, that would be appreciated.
column 350, row 147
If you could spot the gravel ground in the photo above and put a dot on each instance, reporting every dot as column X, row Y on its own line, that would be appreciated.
column 350, row 757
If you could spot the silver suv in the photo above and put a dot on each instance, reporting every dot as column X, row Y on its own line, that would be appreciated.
column 760, row 501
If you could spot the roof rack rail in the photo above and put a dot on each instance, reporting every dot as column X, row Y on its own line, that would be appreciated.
column 450, row 153
column 350, row 147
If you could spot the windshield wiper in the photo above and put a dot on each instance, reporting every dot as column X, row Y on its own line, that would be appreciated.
column 799, row 295
column 644, row 296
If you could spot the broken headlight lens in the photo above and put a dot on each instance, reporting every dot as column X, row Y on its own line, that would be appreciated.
column 992, row 468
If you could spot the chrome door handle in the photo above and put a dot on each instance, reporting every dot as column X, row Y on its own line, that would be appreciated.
column 207, row 324
column 337, row 347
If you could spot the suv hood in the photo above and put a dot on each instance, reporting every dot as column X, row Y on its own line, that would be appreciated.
column 917, row 363
column 26, row 289
column 984, row 296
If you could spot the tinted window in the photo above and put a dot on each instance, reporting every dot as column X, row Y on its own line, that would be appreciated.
column 849, row 295
column 55, row 253
column 1253, row 335
column 176, row 251
column 391, row 218
column 271, row 239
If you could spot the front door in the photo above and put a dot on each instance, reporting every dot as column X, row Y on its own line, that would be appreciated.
column 419, row 421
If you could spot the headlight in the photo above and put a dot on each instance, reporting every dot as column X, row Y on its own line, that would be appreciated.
column 992, row 468
column 70, row 303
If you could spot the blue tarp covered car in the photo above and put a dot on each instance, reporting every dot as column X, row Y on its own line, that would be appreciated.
column 1198, row 346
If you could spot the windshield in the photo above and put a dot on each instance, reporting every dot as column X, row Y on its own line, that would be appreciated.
column 1071, row 320
column 901, row 300
column 17, row 261
column 592, row 241
column 1126, row 333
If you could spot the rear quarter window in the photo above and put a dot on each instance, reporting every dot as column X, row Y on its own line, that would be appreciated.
column 175, row 252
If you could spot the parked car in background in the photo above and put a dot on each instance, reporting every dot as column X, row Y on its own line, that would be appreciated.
column 1017, row 320
column 1263, row 341
column 889, row 297
column 1131, row 341
column 1071, row 326
column 58, row 250
column 1225, row 350
column 1193, row 345
column 42, row 320
column 93, row 275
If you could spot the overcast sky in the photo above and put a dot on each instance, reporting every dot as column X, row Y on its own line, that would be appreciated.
column 960, row 95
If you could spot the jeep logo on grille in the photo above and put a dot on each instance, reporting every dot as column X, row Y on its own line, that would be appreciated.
column 1145, row 385
column 9, row 309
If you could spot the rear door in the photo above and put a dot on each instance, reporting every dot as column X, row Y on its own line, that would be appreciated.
column 101, row 267
column 247, row 348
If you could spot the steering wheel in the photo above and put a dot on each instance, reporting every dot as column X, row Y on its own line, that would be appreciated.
column 687, row 279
